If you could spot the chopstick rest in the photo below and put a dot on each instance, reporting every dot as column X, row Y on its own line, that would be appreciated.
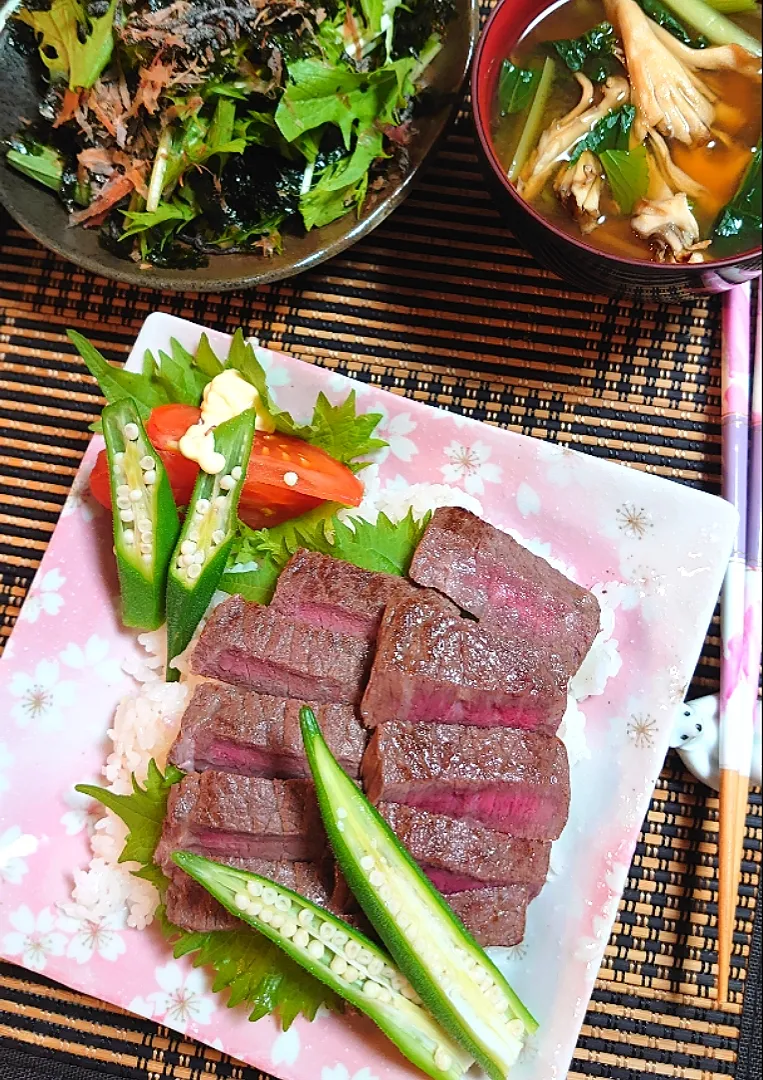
column 696, row 730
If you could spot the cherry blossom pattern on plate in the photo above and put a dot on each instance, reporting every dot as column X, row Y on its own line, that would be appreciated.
column 559, row 460
column 82, row 814
column 94, row 657
column 44, row 597
column 470, row 465
column 34, row 938
column 633, row 521
column 181, row 999
column 89, row 936
column 79, row 500
column 41, row 697
column 642, row 729
column 15, row 846
column 6, row 763
column 286, row 1047
column 590, row 947
column 395, row 432
column 645, row 587
column 528, row 500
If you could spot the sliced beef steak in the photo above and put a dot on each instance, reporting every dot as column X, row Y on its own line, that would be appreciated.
column 458, row 855
column 263, row 649
column 190, row 906
column 336, row 595
column 252, row 734
column 494, row 916
column 223, row 815
column 514, row 782
column 435, row 666
column 487, row 573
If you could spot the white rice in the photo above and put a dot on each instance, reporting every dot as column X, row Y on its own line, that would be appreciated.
column 147, row 719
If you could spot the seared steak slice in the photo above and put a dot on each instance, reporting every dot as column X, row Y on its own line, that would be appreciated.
column 494, row 916
column 190, row 906
column 336, row 595
column 224, row 815
column 514, row 782
column 487, row 573
column 431, row 665
column 262, row 649
column 240, row 731
column 458, row 855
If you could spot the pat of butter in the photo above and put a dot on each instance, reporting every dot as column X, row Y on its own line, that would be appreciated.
column 227, row 395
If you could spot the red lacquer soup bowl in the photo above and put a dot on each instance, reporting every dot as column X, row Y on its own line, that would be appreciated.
column 568, row 256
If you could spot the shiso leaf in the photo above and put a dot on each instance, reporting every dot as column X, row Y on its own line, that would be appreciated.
column 255, row 972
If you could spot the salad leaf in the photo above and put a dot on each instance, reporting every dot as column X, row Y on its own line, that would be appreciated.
column 516, row 87
column 323, row 204
column 252, row 969
column 73, row 44
column 319, row 93
column 179, row 375
column 611, row 133
column 179, row 210
column 593, row 53
column 116, row 383
column 741, row 218
column 42, row 163
column 341, row 431
column 258, row 557
column 668, row 21
column 628, row 175
column 143, row 810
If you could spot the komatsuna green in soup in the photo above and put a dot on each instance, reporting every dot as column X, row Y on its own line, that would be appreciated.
column 637, row 125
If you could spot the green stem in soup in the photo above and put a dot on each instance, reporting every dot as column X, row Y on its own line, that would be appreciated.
column 741, row 218
column 667, row 20
column 714, row 25
column 531, row 130
column 733, row 7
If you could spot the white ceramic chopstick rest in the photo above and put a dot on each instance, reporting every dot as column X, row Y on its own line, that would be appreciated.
column 695, row 737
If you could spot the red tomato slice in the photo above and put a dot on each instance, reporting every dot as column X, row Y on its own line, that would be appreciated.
column 269, row 496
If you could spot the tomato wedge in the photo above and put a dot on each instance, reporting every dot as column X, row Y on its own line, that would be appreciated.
column 286, row 476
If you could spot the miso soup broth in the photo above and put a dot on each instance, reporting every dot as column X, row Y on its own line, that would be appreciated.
column 636, row 128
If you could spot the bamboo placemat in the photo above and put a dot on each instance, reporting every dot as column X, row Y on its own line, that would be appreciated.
column 440, row 304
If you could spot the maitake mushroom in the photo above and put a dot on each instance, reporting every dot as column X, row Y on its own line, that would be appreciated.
column 670, row 228
column 579, row 187
column 562, row 135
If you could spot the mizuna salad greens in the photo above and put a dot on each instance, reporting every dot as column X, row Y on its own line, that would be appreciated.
column 195, row 127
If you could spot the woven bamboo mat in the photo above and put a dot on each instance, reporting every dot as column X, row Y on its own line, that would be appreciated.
column 440, row 304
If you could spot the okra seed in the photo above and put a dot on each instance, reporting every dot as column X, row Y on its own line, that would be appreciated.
column 338, row 965
column 220, row 502
column 352, row 949
column 516, row 1028
column 268, row 895
column 408, row 992
column 305, row 917
column 388, row 972
column 393, row 907
column 119, row 458
column 371, row 989
column 283, row 903
column 302, row 939
column 128, row 536
column 241, row 900
column 236, row 472
column 364, row 956
column 367, row 862
column 266, row 915
column 326, row 931
column 193, row 571
column 218, row 536
column 123, row 502
column 397, row 981
column 123, row 490
column 254, row 888
column 255, row 907
column 187, row 548
column 126, row 515
column 376, row 966
column 315, row 949
column 384, row 995
column 227, row 483
column 149, row 477
column 144, row 525
column 442, row 1059
column 132, row 432
column 291, row 479
column 146, row 462
column 146, row 558
column 146, row 548
column 352, row 974
column 198, row 557
column 340, row 940
column 376, row 878
column 202, row 505
column 277, row 920
column 289, row 928
column 481, row 977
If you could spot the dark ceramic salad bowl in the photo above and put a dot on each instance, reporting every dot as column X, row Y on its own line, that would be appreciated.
column 571, row 257
column 40, row 212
